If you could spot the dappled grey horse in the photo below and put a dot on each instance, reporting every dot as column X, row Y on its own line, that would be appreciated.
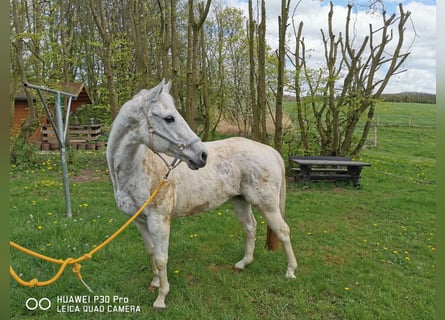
column 149, row 129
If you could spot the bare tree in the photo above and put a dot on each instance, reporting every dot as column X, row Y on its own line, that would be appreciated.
column 347, row 89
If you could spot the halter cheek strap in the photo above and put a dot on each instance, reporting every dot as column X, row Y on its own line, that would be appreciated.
column 179, row 145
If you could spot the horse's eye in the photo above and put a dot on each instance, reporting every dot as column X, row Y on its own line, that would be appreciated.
column 169, row 119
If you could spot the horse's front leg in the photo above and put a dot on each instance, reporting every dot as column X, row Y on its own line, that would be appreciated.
column 142, row 227
column 159, row 228
column 243, row 211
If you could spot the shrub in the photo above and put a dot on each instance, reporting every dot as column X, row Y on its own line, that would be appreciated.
column 21, row 153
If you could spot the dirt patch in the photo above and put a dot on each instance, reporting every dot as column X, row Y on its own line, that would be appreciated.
column 88, row 175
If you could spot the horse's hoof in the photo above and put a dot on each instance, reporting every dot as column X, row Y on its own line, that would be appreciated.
column 159, row 305
column 290, row 275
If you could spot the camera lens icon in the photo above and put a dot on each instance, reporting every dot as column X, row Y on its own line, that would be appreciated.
column 42, row 304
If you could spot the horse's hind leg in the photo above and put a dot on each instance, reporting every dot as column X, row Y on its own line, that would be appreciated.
column 243, row 211
column 143, row 230
column 277, row 224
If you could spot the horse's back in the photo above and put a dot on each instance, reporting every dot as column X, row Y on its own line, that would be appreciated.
column 256, row 169
column 246, row 151
column 235, row 167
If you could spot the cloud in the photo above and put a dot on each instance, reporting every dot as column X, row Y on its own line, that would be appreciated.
column 420, row 35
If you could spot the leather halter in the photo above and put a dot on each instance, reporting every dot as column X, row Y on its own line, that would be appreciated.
column 178, row 144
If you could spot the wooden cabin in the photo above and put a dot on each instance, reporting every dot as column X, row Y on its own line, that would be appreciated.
column 21, row 109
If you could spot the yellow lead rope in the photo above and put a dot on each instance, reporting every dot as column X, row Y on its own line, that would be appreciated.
column 75, row 262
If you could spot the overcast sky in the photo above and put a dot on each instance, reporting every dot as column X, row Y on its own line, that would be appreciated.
column 420, row 36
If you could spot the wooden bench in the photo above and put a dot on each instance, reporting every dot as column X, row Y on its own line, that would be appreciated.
column 319, row 168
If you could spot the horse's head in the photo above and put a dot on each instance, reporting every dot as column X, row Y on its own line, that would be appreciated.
column 167, row 131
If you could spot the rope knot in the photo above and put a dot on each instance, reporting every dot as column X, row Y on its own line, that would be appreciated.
column 87, row 256
column 76, row 270
column 33, row 283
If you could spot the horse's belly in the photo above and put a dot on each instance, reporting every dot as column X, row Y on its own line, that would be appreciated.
column 197, row 203
column 198, row 198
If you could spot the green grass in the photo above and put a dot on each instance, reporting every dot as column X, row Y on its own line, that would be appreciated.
column 362, row 254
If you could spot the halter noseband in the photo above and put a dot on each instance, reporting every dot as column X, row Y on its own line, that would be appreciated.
column 179, row 145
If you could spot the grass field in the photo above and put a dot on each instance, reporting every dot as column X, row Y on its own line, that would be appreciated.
column 363, row 254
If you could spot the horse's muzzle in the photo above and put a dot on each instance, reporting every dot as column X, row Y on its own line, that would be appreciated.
column 198, row 162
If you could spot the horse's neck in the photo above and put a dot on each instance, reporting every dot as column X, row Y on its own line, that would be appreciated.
column 127, row 159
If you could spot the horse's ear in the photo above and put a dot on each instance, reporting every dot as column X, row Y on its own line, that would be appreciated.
column 157, row 90
column 167, row 87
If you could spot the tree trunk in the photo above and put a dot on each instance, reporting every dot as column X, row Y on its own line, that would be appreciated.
column 66, row 38
column 252, row 87
column 30, row 123
column 204, row 81
column 192, row 63
column 165, row 40
column 98, row 12
column 282, row 23
column 138, row 11
column 174, row 51
column 299, row 64
column 261, row 81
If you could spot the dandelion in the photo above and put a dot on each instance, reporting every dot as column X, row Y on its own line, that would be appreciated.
column 176, row 271
column 219, row 213
column 395, row 251
column 39, row 227
column 347, row 289
column 50, row 213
